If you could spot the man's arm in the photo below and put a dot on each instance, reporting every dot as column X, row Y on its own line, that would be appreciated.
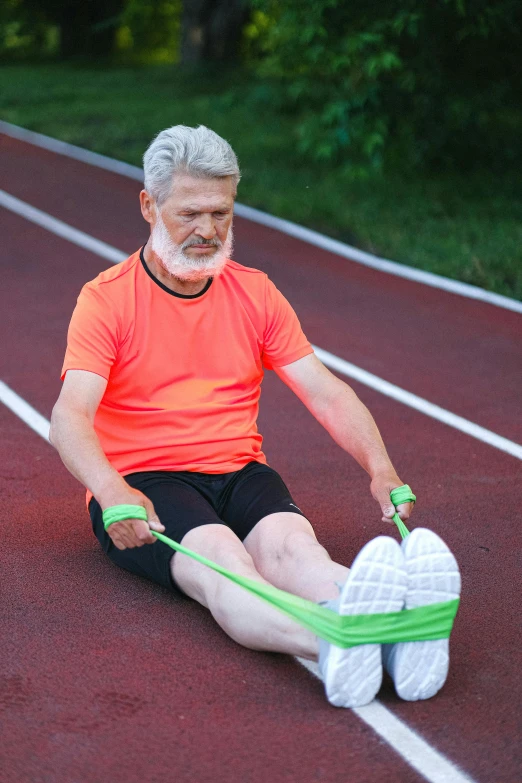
column 72, row 434
column 336, row 406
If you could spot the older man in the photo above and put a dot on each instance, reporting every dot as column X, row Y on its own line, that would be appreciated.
column 158, row 408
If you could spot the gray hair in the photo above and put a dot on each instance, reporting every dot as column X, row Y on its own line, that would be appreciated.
column 196, row 151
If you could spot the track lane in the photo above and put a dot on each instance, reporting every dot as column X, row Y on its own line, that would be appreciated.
column 314, row 466
column 108, row 677
column 397, row 329
column 488, row 472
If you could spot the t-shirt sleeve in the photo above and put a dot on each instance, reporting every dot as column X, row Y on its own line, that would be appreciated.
column 283, row 341
column 93, row 336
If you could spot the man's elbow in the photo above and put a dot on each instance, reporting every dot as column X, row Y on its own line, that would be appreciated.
column 51, row 430
column 53, row 437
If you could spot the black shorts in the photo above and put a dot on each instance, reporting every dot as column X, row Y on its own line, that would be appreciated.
column 184, row 500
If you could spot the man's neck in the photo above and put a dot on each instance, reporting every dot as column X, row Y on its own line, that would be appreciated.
column 188, row 288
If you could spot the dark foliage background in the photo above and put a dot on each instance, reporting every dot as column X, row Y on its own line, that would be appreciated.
column 429, row 83
column 394, row 125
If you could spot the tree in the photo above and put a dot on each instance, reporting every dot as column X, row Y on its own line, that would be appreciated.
column 212, row 30
column 86, row 29
column 438, row 77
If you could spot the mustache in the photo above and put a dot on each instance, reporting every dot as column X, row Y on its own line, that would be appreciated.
column 211, row 242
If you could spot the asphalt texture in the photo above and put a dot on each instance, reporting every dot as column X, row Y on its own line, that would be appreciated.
column 106, row 677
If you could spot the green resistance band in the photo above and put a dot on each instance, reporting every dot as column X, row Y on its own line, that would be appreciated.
column 425, row 623
column 397, row 496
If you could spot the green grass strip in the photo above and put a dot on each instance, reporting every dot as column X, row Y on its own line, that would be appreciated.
column 425, row 623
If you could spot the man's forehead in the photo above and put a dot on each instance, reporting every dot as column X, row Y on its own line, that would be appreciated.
column 192, row 191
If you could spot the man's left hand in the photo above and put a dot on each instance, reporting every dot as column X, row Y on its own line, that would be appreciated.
column 381, row 487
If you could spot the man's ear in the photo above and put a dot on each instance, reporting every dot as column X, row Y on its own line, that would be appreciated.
column 148, row 206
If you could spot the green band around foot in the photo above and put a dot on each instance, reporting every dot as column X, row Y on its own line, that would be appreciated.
column 425, row 623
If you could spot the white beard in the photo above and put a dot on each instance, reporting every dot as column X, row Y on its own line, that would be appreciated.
column 177, row 263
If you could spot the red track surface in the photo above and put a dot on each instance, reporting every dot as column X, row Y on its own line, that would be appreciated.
column 105, row 677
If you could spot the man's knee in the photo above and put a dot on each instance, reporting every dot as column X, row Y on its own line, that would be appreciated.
column 299, row 543
column 217, row 543
column 281, row 537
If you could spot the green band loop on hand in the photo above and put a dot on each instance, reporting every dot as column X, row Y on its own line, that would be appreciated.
column 119, row 513
column 424, row 623
column 401, row 495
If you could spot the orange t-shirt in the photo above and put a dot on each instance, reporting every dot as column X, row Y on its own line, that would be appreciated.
column 184, row 372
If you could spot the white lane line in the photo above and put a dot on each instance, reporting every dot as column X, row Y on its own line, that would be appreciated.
column 61, row 229
column 279, row 224
column 375, row 262
column 435, row 767
column 24, row 411
column 71, row 151
column 329, row 359
column 419, row 403
column 431, row 764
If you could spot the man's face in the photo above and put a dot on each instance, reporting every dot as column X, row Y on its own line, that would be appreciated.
column 191, row 235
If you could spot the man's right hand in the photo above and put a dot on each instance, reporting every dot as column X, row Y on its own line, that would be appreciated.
column 130, row 533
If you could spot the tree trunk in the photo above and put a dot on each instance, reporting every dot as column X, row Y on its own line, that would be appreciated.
column 211, row 30
column 87, row 29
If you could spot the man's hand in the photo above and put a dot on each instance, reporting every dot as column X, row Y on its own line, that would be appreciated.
column 130, row 533
column 381, row 487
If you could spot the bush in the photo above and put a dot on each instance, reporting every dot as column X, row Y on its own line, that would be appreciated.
column 438, row 79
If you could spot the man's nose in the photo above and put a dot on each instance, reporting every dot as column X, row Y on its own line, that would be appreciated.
column 206, row 227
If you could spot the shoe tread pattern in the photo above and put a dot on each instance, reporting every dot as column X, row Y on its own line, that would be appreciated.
column 377, row 583
column 420, row 669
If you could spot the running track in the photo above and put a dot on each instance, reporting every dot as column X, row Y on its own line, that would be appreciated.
column 105, row 677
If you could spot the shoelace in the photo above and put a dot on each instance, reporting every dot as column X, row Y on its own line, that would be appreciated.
column 424, row 623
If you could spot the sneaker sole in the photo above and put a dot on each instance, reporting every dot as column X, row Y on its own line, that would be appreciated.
column 420, row 669
column 377, row 582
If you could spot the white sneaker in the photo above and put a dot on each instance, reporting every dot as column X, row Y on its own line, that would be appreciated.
column 377, row 583
column 419, row 669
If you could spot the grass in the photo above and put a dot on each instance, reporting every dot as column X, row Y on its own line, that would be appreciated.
column 467, row 227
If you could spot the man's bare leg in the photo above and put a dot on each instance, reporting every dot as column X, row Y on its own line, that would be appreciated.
column 286, row 553
column 247, row 619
